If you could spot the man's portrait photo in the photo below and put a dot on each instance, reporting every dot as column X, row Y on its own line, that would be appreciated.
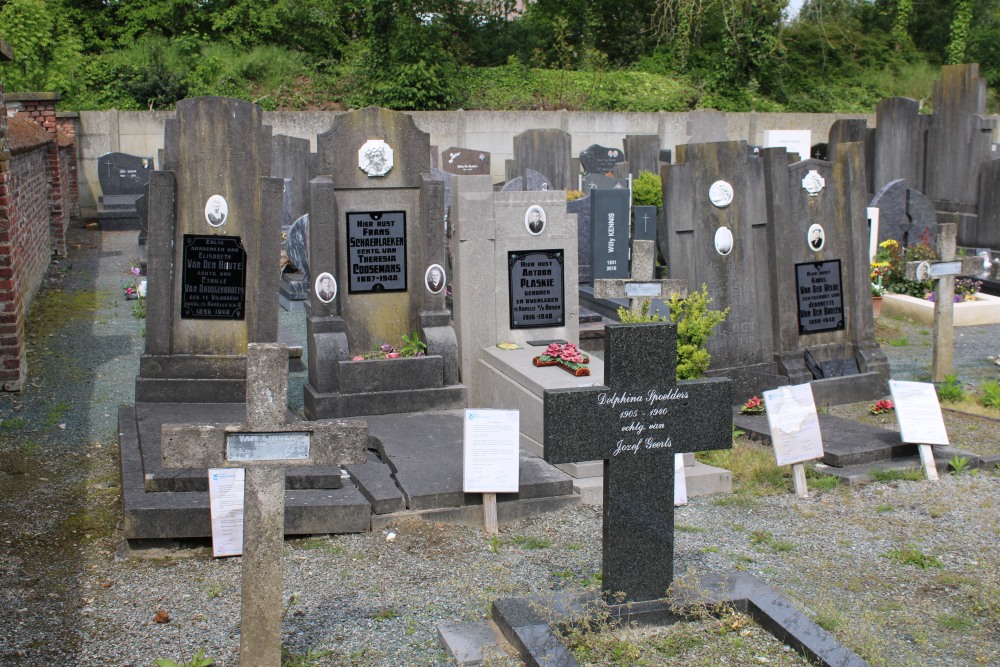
column 434, row 278
column 216, row 210
column 816, row 237
column 326, row 287
column 534, row 220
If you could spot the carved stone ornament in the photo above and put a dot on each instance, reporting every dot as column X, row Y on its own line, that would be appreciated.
column 813, row 183
column 721, row 194
column 375, row 158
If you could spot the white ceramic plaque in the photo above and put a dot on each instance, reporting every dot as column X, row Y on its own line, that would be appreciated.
column 267, row 446
column 794, row 425
column 491, row 451
column 918, row 412
column 375, row 158
column 225, row 500
column 813, row 183
column 643, row 289
column 720, row 194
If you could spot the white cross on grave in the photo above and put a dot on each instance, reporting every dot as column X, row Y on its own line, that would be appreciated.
column 944, row 272
column 265, row 445
column 642, row 285
column 635, row 425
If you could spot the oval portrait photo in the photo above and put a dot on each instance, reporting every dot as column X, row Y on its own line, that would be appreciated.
column 723, row 241
column 216, row 210
column 434, row 278
column 817, row 237
column 325, row 287
column 534, row 220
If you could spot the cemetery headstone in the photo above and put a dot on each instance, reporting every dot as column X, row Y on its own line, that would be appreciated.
column 214, row 215
column 264, row 445
column 291, row 161
column 581, row 208
column 531, row 181
column 988, row 225
column 603, row 182
column 596, row 159
column 905, row 215
column 824, row 325
column 643, row 153
column 645, row 223
column 465, row 161
column 899, row 143
column 797, row 142
column 609, row 238
column 123, row 180
column 642, row 284
column 547, row 152
column 376, row 229
column 636, row 424
column 295, row 284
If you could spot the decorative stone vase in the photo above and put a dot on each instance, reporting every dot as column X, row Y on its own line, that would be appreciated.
column 877, row 305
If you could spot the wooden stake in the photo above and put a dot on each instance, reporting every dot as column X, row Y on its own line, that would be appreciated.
column 799, row 477
column 490, row 514
column 927, row 461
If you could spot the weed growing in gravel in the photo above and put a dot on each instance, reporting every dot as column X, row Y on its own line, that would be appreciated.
column 14, row 423
column 902, row 341
column 958, row 464
column 530, row 542
column 989, row 394
column 308, row 659
column 950, row 389
column 386, row 614
column 912, row 556
column 882, row 508
column 215, row 590
column 766, row 538
column 952, row 622
column 684, row 528
column 197, row 660
column 912, row 475
column 820, row 482
column 754, row 469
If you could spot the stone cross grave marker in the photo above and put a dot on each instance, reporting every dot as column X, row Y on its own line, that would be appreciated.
column 265, row 445
column 944, row 273
column 642, row 285
column 635, row 425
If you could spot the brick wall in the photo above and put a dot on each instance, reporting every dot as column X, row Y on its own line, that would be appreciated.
column 25, row 238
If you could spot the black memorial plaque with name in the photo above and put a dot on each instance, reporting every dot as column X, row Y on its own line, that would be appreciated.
column 376, row 252
column 609, row 236
column 537, row 296
column 213, row 278
column 820, row 296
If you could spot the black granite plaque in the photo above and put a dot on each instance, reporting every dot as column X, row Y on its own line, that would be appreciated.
column 636, row 424
column 600, row 159
column 609, row 237
column 537, row 296
column 645, row 223
column 821, row 297
column 465, row 161
column 213, row 278
column 376, row 252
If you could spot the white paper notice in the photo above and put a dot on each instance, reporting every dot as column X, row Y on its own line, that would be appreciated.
column 680, row 481
column 918, row 412
column 791, row 416
column 491, row 451
column 225, row 493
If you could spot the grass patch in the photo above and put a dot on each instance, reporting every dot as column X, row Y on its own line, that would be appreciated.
column 764, row 537
column 902, row 341
column 684, row 528
column 913, row 556
column 951, row 622
column 823, row 482
column 321, row 544
column 883, row 508
column 14, row 423
column 529, row 542
column 755, row 472
column 912, row 475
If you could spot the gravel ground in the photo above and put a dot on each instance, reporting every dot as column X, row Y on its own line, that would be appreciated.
column 905, row 573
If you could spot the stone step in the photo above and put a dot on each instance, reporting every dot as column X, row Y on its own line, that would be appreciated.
column 469, row 644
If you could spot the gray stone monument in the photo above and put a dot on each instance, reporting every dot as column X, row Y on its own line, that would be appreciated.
column 820, row 276
column 548, row 152
column 905, row 215
column 292, row 161
column 581, row 209
column 642, row 151
column 123, row 180
column 635, row 424
column 900, row 142
column 264, row 445
column 988, row 225
column 376, row 239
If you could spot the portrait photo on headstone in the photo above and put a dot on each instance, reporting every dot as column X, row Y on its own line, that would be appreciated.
column 216, row 210
column 817, row 237
column 326, row 287
column 434, row 278
column 723, row 241
column 534, row 220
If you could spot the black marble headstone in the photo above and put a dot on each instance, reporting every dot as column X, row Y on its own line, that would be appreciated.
column 821, row 296
column 603, row 182
column 581, row 207
column 635, row 425
column 645, row 223
column 597, row 159
column 537, row 288
column 609, row 238
column 465, row 161
column 123, row 174
column 213, row 278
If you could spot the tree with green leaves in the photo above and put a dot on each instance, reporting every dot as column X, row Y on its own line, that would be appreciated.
column 47, row 51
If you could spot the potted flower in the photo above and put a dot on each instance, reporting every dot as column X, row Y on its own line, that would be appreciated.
column 878, row 291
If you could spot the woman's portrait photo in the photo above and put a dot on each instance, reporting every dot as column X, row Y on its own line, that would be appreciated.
column 534, row 220
column 434, row 278
column 816, row 237
column 326, row 287
column 216, row 210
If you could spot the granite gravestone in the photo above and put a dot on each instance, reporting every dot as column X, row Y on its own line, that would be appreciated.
column 264, row 446
column 714, row 232
column 905, row 215
column 581, row 209
column 465, row 161
column 531, row 181
column 123, row 180
column 820, row 277
column 642, row 152
column 644, row 223
column 376, row 237
column 548, row 152
column 609, row 237
column 988, row 225
column 292, row 161
column 899, row 143
column 214, row 235
column 635, row 424
column 603, row 182
column 596, row 159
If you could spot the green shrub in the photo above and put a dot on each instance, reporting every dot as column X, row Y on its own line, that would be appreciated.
column 950, row 389
column 694, row 325
column 647, row 190
column 989, row 394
